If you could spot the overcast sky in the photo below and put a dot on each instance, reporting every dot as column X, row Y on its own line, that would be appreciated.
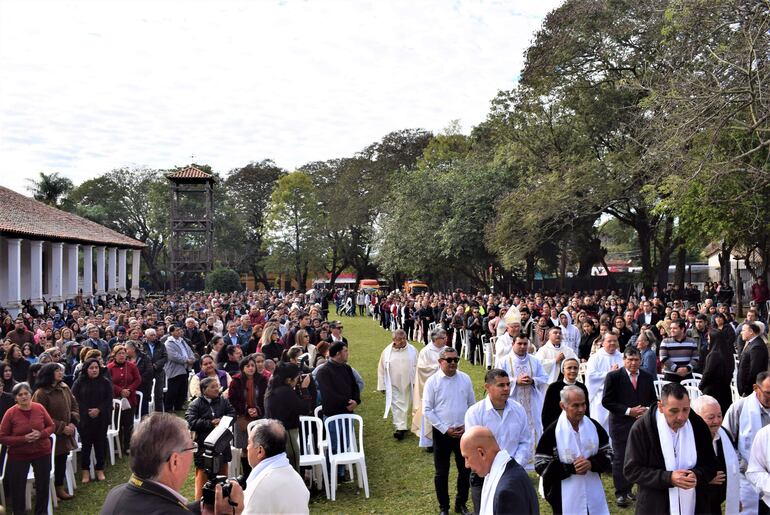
column 89, row 86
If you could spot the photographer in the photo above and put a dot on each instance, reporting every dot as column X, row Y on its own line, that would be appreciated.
column 273, row 486
column 161, row 457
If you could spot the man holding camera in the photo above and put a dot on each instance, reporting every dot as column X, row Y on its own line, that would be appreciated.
column 273, row 485
column 161, row 457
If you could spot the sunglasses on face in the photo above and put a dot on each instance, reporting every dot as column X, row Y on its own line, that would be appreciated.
column 452, row 360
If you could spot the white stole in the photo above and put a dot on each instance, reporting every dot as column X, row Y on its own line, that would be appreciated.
column 680, row 501
column 412, row 367
column 580, row 494
column 732, row 502
column 491, row 480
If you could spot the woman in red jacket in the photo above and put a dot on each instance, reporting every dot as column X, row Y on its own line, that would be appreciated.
column 26, row 429
column 126, row 380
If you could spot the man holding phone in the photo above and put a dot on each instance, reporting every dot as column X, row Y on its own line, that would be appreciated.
column 448, row 395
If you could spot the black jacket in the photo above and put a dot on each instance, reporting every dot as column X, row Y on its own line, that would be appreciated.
column 753, row 360
column 337, row 385
column 158, row 358
column 138, row 497
column 93, row 393
column 619, row 395
column 551, row 408
column 515, row 494
column 717, row 378
column 645, row 466
column 199, row 415
column 287, row 405
column 553, row 471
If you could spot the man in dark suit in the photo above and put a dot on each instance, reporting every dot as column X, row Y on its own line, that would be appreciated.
column 628, row 394
column 507, row 488
column 754, row 358
column 648, row 317
column 156, row 350
column 161, row 456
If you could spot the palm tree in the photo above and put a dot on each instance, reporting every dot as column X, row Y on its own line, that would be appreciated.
column 50, row 188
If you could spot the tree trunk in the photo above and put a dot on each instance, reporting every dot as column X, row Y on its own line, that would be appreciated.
column 530, row 271
column 681, row 262
column 666, row 247
column 644, row 235
column 724, row 262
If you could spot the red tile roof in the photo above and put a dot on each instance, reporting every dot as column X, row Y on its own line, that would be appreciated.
column 190, row 172
column 24, row 217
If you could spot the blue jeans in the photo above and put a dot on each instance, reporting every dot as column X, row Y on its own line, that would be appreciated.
column 333, row 443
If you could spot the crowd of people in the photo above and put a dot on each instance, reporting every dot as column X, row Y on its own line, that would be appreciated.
column 569, row 394
column 251, row 356
column 664, row 394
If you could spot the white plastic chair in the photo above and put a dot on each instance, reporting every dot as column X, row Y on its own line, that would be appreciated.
column 692, row 383
column 2, row 477
column 661, row 377
column 69, row 474
column 659, row 386
column 52, row 500
column 692, row 392
column 113, row 432
column 151, row 404
column 138, row 412
column 234, row 468
column 697, row 376
column 349, row 449
column 582, row 371
column 311, row 450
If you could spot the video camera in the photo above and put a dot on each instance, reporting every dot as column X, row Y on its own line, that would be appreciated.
column 214, row 447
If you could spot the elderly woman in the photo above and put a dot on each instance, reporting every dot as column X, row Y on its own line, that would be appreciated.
column 646, row 343
column 203, row 415
column 208, row 369
column 551, row 409
column 93, row 392
column 126, row 380
column 288, row 397
column 726, row 484
column 55, row 396
column 247, row 395
column 25, row 430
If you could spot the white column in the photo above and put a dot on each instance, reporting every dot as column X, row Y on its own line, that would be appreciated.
column 122, row 272
column 57, row 259
column 136, row 261
column 88, row 271
column 36, row 273
column 13, row 304
column 112, row 270
column 100, row 284
column 71, row 271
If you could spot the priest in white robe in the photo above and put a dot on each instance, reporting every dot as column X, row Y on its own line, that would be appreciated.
column 528, row 384
column 427, row 365
column 507, row 331
column 603, row 361
column 395, row 376
column 553, row 353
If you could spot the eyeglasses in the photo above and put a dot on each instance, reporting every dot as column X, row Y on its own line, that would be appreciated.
column 194, row 449
column 451, row 360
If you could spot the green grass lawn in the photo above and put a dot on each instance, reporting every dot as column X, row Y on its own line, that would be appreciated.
column 400, row 474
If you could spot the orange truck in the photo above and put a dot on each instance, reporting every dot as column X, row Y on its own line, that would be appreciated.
column 369, row 284
column 415, row 287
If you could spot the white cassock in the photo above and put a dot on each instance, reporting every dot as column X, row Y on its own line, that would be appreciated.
column 759, row 464
column 547, row 356
column 597, row 368
column 395, row 376
column 732, row 502
column 529, row 396
column 427, row 365
column 750, row 424
column 580, row 494
column 503, row 347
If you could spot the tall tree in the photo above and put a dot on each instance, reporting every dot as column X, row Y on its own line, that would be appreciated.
column 51, row 189
column 292, row 218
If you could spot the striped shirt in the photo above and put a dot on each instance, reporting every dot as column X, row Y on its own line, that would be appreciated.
column 675, row 354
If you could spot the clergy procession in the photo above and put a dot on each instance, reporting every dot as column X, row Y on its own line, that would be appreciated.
column 652, row 405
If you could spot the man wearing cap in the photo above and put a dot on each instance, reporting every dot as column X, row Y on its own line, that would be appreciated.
column 120, row 337
column 335, row 330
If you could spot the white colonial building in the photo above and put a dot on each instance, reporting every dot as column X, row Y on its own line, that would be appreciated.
column 46, row 253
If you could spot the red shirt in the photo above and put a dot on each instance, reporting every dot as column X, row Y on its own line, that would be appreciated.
column 17, row 423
